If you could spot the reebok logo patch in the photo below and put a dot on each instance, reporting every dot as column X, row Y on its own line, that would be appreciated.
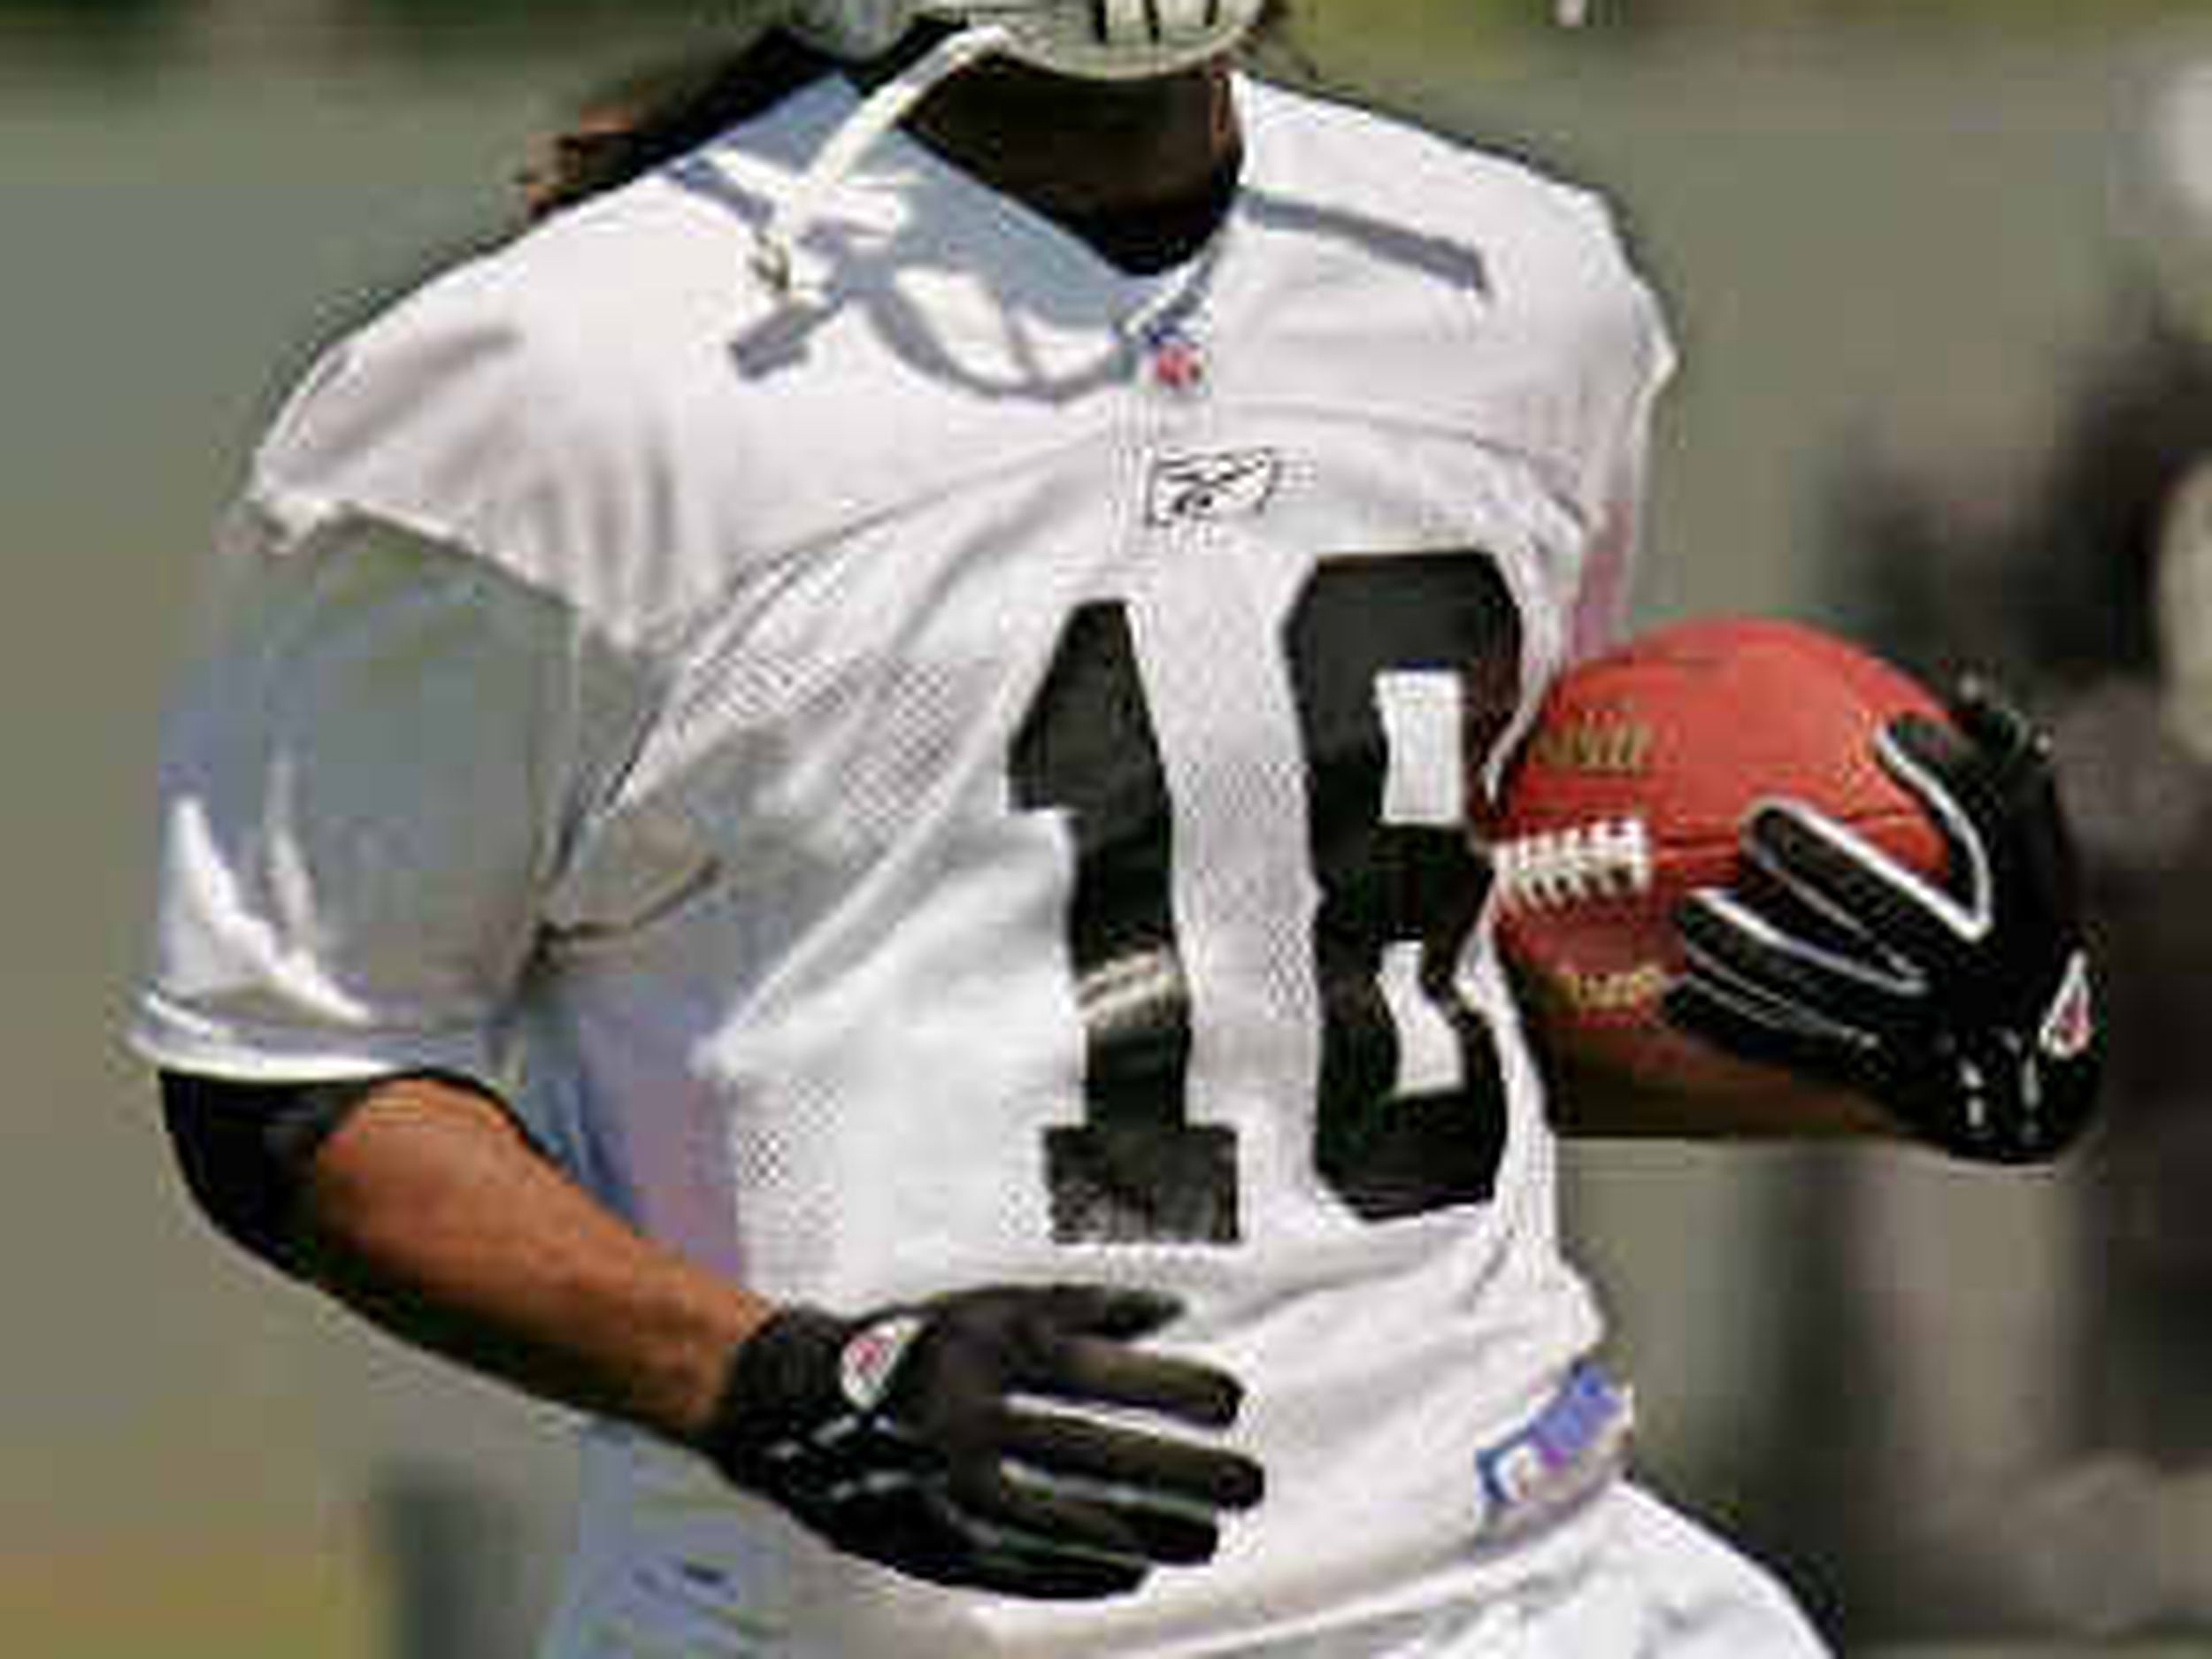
column 1233, row 484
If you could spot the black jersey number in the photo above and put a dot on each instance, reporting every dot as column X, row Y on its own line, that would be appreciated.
column 1138, row 1169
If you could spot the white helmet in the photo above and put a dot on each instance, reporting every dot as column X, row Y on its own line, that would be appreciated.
column 1099, row 40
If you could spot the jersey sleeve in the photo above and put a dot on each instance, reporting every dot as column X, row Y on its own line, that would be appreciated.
column 369, row 775
column 387, row 740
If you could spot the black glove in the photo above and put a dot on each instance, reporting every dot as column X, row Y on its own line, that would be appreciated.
column 924, row 1438
column 1964, row 1009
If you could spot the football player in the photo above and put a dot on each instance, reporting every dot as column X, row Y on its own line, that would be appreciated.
column 828, row 819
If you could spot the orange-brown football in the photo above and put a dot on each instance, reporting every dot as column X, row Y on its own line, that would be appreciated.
column 1627, row 793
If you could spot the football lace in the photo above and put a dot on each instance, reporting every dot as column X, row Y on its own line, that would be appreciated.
column 1604, row 860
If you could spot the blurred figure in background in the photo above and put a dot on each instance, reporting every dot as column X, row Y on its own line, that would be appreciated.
column 2083, row 570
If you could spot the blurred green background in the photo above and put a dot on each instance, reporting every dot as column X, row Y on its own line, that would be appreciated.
column 1893, row 220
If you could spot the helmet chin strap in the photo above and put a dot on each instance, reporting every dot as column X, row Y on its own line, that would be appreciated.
column 1097, row 40
column 878, row 113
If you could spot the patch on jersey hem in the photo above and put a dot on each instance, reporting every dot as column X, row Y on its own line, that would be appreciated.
column 1565, row 1452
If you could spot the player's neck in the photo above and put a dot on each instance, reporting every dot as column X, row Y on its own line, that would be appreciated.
column 1073, row 150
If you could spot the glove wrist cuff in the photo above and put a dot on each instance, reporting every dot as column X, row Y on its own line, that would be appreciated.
column 781, row 1381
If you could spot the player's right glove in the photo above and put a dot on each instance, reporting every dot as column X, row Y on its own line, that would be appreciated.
column 983, row 1438
column 1964, row 1009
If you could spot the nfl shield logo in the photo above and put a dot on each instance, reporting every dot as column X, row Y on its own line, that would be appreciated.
column 1177, row 363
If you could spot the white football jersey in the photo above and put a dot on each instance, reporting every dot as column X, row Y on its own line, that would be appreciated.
column 954, row 775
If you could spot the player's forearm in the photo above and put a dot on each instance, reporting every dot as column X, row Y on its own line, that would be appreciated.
column 1592, row 1106
column 429, row 1213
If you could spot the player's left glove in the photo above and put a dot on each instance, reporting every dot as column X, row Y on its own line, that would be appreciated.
column 1964, row 1009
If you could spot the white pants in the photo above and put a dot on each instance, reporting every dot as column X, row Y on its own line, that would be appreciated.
column 1657, row 1586
column 1627, row 1578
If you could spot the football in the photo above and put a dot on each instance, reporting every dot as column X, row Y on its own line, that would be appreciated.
column 1626, row 794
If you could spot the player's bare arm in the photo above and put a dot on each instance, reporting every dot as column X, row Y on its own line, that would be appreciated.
column 429, row 1211
column 1591, row 1102
column 419, row 1203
